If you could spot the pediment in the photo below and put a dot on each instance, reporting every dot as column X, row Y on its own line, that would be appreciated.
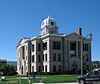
column 74, row 36
column 22, row 40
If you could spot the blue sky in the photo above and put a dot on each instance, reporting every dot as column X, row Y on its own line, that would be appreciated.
column 22, row 18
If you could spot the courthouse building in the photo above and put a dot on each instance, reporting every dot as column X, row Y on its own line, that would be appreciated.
column 52, row 51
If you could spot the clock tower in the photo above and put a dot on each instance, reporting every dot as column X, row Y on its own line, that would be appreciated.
column 49, row 26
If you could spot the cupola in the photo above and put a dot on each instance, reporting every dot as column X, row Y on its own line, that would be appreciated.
column 49, row 25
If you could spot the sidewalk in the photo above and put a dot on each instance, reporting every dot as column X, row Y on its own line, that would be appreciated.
column 58, row 83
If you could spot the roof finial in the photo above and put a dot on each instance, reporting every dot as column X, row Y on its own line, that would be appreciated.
column 48, row 16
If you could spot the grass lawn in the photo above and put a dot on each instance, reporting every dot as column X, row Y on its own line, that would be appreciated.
column 14, row 80
column 59, row 78
column 46, row 78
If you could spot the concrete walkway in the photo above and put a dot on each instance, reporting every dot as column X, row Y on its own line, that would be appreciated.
column 58, row 83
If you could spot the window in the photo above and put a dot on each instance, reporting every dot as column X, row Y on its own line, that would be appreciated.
column 59, row 68
column 39, row 68
column 46, row 68
column 32, row 68
column 26, row 57
column 22, row 70
column 73, row 45
column 83, row 57
column 87, row 58
column 87, row 67
column 52, row 23
column 23, row 52
column 72, row 55
column 42, row 68
column 32, row 58
column 45, row 57
column 85, row 47
column 51, row 32
column 39, row 58
column 59, row 57
column 32, row 47
column 45, row 46
column 54, row 56
column 54, row 68
column 39, row 47
column 72, row 49
column 79, row 50
column 56, row 45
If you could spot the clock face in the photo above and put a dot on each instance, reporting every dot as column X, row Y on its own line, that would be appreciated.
column 52, row 23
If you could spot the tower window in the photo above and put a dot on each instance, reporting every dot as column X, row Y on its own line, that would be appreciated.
column 52, row 23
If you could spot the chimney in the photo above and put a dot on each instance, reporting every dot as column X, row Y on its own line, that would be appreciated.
column 79, row 31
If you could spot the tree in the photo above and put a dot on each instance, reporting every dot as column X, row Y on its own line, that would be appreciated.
column 96, row 64
column 7, row 69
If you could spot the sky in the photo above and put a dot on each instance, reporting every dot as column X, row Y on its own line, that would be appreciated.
column 22, row 18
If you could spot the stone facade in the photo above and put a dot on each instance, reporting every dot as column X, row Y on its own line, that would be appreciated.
column 53, row 52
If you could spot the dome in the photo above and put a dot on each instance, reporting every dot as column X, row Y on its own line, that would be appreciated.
column 50, row 22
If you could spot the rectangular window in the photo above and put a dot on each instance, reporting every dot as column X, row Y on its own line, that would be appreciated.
column 42, row 68
column 54, row 68
column 59, row 57
column 46, row 68
column 56, row 45
column 73, row 45
column 39, row 47
column 39, row 58
column 59, row 68
column 32, row 58
column 26, row 57
column 87, row 58
column 45, row 57
column 79, row 50
column 72, row 55
column 54, row 56
column 85, row 47
column 32, row 68
column 23, row 52
column 45, row 46
column 39, row 68
column 32, row 47
column 72, row 49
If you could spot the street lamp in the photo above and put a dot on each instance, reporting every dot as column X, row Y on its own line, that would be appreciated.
column 82, row 39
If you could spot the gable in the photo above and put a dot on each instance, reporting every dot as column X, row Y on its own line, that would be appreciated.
column 74, row 36
column 22, row 40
